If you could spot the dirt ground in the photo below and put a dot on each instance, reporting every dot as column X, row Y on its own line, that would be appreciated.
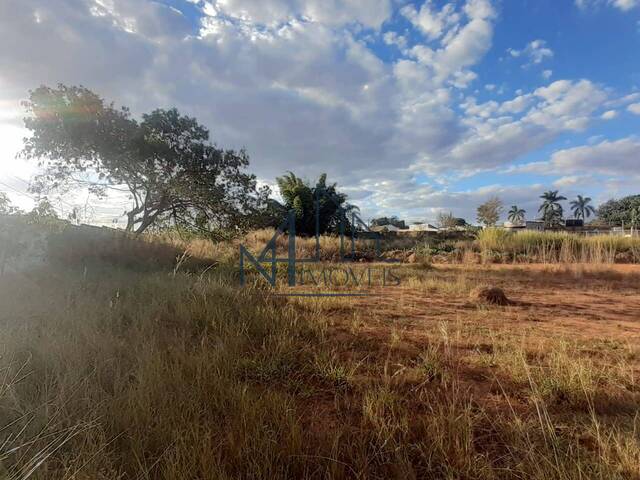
column 591, row 312
column 572, row 302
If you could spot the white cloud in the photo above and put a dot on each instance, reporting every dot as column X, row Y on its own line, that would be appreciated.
column 392, row 38
column 546, row 74
column 297, row 85
column 416, row 202
column 459, row 48
column 609, row 115
column 570, row 181
column 498, row 134
column 613, row 158
column 626, row 5
column 431, row 22
column 634, row 108
column 371, row 13
column 630, row 98
column 623, row 5
column 536, row 52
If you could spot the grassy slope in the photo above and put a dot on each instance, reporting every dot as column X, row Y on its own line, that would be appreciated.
column 123, row 372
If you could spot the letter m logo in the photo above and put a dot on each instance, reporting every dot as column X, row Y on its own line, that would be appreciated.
column 288, row 224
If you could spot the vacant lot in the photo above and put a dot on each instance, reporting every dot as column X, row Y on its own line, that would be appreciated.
column 113, row 371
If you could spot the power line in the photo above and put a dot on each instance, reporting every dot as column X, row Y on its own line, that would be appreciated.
column 123, row 205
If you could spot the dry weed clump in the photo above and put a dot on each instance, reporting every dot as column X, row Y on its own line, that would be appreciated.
column 489, row 295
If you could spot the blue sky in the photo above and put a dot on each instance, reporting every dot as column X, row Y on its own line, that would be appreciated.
column 413, row 107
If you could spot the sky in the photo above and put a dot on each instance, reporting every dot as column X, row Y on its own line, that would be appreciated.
column 413, row 107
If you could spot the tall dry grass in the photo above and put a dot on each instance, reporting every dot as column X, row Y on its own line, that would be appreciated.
column 110, row 370
column 558, row 247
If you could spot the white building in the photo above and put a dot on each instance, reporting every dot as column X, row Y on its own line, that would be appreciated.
column 423, row 227
column 385, row 228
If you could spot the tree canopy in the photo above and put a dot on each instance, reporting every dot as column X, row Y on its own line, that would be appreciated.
column 581, row 208
column 551, row 208
column 617, row 212
column 489, row 212
column 448, row 220
column 6, row 208
column 300, row 196
column 165, row 162
column 516, row 215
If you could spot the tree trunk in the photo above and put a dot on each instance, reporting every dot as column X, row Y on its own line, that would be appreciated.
column 131, row 221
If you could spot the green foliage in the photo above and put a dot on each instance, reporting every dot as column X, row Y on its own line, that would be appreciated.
column 489, row 212
column 5, row 205
column 166, row 162
column 616, row 212
column 44, row 209
column 581, row 208
column 516, row 215
column 299, row 196
column 44, row 214
column 551, row 208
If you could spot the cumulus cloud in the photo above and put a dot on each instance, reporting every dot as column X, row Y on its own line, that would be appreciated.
column 465, row 38
column 634, row 108
column 429, row 20
column 370, row 13
column 535, row 53
column 613, row 158
column 297, row 83
column 498, row 133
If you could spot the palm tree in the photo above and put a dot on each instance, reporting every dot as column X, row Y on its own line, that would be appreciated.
column 581, row 207
column 516, row 215
column 300, row 196
column 551, row 208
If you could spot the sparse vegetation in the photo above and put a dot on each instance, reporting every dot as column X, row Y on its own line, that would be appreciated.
column 163, row 368
column 489, row 212
column 557, row 247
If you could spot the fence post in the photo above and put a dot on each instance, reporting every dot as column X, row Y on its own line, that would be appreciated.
column 291, row 261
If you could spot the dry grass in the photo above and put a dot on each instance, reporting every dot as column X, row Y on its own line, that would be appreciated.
column 557, row 247
column 114, row 368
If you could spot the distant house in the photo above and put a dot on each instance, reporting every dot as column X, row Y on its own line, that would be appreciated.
column 423, row 227
column 537, row 225
column 514, row 226
column 385, row 228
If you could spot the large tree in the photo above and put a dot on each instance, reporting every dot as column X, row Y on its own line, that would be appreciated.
column 166, row 162
column 300, row 196
column 489, row 212
column 617, row 212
